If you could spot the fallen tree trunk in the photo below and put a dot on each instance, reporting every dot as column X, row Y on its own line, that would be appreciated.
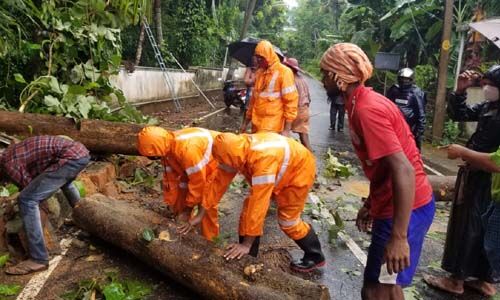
column 443, row 187
column 190, row 260
column 98, row 136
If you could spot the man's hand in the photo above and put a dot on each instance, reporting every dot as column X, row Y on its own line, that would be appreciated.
column 466, row 80
column 397, row 255
column 184, row 216
column 243, row 128
column 287, row 129
column 455, row 151
column 236, row 251
column 364, row 220
column 185, row 228
column 286, row 133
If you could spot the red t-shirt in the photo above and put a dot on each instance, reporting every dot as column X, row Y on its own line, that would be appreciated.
column 378, row 129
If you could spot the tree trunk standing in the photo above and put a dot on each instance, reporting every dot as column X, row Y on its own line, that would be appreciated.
column 98, row 136
column 140, row 44
column 336, row 13
column 440, row 106
column 157, row 20
column 246, row 23
column 248, row 18
column 214, row 12
column 190, row 259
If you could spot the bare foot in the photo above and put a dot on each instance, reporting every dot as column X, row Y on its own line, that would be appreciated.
column 447, row 284
column 483, row 287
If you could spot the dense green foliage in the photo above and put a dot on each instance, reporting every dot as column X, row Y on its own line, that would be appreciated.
column 411, row 28
column 197, row 33
column 57, row 56
column 61, row 56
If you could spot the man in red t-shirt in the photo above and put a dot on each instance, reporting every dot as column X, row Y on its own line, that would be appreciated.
column 400, row 207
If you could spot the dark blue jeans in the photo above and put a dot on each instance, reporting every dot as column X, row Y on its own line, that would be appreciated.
column 491, row 219
column 40, row 189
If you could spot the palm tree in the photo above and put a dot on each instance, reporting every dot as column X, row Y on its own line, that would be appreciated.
column 146, row 8
column 157, row 20
column 140, row 44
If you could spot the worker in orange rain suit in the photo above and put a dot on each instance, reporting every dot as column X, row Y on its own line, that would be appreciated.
column 186, row 155
column 277, row 167
column 273, row 105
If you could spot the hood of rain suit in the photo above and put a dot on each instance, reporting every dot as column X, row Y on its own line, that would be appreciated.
column 230, row 149
column 266, row 50
column 154, row 141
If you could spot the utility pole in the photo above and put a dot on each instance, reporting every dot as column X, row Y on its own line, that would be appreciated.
column 439, row 109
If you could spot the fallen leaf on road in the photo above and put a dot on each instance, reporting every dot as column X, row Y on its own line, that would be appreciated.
column 4, row 259
column 165, row 236
column 92, row 258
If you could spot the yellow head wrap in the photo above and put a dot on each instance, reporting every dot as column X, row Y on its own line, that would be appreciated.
column 348, row 63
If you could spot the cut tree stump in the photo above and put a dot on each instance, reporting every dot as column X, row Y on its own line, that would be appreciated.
column 443, row 187
column 98, row 136
column 190, row 259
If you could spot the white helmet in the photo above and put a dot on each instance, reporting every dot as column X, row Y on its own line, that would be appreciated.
column 406, row 73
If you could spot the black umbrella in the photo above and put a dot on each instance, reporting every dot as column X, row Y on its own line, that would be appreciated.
column 244, row 50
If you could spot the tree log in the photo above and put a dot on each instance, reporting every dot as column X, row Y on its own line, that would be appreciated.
column 98, row 136
column 443, row 187
column 190, row 259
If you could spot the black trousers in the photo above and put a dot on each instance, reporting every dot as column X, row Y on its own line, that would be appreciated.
column 334, row 110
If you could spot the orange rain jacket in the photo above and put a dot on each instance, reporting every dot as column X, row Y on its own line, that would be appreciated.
column 188, row 167
column 274, row 97
column 277, row 167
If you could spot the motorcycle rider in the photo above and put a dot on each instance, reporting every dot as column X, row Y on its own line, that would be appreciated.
column 411, row 100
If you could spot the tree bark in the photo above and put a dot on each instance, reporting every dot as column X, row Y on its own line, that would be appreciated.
column 140, row 44
column 190, row 260
column 98, row 136
column 443, row 187
column 157, row 20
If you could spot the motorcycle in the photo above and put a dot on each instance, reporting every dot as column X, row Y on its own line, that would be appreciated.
column 233, row 95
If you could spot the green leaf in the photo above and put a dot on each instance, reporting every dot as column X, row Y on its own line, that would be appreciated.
column 12, row 188
column 76, row 75
column 333, row 233
column 338, row 220
column 434, row 30
column 137, row 290
column 114, row 291
column 51, row 101
column 19, row 78
column 116, row 60
column 84, row 106
column 148, row 235
column 54, row 85
column 4, row 192
column 92, row 85
column 3, row 259
column 81, row 188
column 9, row 289
column 77, row 90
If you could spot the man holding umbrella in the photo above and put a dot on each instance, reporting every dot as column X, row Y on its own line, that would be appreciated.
column 273, row 106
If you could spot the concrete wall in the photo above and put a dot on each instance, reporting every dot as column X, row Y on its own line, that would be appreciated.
column 146, row 85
